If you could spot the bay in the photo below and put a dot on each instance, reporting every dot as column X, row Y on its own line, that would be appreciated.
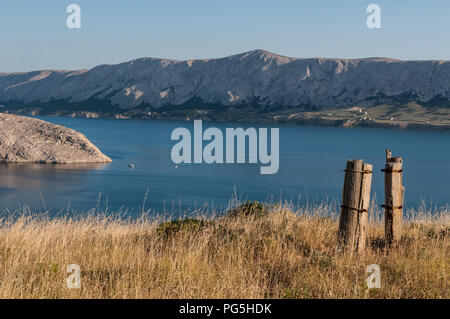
column 312, row 159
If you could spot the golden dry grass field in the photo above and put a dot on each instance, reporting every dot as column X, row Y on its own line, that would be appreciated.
column 281, row 254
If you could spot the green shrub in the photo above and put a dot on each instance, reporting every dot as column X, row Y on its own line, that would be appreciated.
column 255, row 209
column 187, row 225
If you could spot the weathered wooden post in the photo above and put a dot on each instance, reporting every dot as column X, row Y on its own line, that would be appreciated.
column 355, row 204
column 394, row 196
column 388, row 154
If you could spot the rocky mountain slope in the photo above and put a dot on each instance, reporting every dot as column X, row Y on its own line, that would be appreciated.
column 24, row 139
column 257, row 77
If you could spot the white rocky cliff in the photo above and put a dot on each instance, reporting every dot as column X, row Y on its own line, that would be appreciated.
column 29, row 140
column 254, row 77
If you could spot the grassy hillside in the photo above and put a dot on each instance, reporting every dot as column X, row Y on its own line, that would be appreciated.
column 276, row 253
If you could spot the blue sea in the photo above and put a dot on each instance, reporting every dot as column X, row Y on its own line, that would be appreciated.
column 312, row 159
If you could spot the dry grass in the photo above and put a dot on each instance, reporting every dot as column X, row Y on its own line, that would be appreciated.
column 282, row 255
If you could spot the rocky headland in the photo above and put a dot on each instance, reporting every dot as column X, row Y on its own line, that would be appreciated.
column 29, row 140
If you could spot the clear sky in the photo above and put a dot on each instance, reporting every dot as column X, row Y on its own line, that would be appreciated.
column 34, row 35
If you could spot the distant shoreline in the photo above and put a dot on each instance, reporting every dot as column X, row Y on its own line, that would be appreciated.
column 335, row 118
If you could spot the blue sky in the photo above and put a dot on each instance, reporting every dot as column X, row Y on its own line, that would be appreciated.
column 34, row 35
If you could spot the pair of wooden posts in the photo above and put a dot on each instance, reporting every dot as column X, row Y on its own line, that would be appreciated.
column 356, row 199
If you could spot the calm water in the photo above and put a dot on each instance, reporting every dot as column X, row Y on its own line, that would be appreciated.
column 311, row 164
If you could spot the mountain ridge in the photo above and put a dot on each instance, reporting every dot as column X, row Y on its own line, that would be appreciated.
column 261, row 51
column 258, row 77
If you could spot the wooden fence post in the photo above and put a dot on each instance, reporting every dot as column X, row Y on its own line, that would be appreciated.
column 355, row 204
column 394, row 196
column 388, row 154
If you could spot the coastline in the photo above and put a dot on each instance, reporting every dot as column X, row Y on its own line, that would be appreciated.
column 250, row 115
